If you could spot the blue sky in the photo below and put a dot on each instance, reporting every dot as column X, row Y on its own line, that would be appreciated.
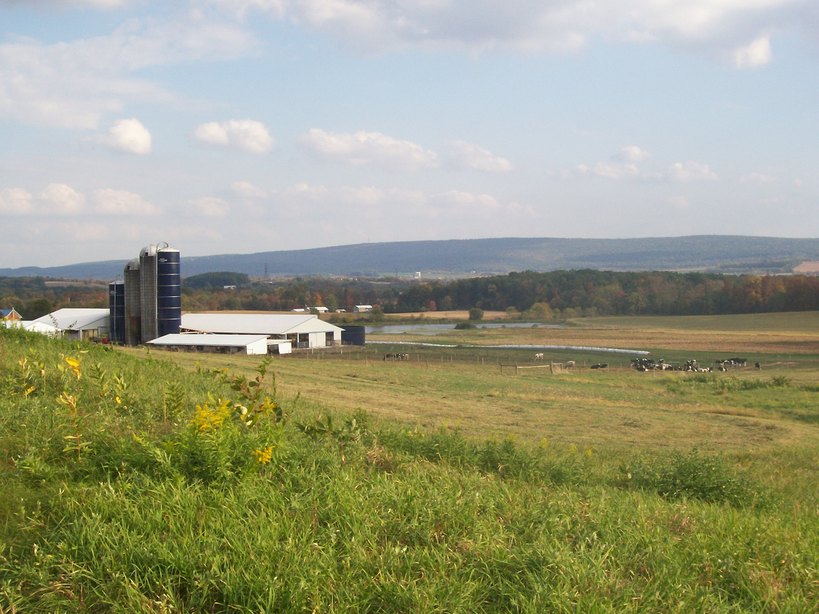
column 236, row 126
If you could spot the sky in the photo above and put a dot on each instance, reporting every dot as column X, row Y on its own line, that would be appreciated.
column 239, row 126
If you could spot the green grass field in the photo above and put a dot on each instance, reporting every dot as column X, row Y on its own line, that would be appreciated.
column 147, row 481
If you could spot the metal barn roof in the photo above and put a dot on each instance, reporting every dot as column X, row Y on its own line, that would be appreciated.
column 208, row 340
column 256, row 323
column 75, row 318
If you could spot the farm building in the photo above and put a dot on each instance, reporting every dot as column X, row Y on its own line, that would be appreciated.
column 304, row 331
column 37, row 327
column 9, row 315
column 229, row 344
column 74, row 323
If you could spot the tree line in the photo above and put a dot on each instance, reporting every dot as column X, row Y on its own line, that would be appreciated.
column 593, row 292
column 547, row 295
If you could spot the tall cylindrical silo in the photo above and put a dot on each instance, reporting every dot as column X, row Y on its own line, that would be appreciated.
column 168, row 291
column 147, row 293
column 116, row 308
column 133, row 304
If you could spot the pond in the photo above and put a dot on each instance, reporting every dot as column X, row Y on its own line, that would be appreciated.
column 434, row 329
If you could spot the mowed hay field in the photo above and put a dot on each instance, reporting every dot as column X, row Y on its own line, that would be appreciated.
column 465, row 388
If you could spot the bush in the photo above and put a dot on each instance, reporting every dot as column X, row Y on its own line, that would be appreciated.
column 465, row 326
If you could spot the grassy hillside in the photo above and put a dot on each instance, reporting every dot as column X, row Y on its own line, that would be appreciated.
column 173, row 482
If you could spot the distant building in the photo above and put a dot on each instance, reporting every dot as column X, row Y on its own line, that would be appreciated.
column 226, row 344
column 303, row 331
column 9, row 315
column 73, row 323
column 362, row 308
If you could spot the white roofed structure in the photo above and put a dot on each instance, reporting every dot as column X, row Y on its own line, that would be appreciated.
column 77, row 323
column 303, row 330
column 246, row 344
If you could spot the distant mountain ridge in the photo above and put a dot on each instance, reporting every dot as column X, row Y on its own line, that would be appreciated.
column 467, row 257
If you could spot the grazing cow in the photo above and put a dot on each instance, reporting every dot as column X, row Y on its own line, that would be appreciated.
column 539, row 356
column 396, row 356
column 600, row 365
column 570, row 364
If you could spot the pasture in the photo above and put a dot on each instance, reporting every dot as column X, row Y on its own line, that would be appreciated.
column 338, row 481
column 463, row 388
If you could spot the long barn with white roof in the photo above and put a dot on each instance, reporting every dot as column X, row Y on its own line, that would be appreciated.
column 304, row 331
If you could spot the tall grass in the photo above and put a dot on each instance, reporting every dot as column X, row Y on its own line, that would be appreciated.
column 207, row 491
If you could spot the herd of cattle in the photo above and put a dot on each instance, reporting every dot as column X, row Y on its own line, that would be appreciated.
column 640, row 364
column 649, row 364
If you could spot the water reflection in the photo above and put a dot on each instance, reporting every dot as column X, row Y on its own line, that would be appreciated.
column 434, row 329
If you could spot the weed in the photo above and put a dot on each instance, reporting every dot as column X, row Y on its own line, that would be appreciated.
column 694, row 475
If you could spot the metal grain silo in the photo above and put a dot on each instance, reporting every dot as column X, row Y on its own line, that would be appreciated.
column 147, row 293
column 168, row 291
column 116, row 308
column 133, row 304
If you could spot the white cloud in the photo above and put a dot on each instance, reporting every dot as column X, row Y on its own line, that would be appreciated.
column 369, row 148
column 62, row 199
column 15, row 201
column 397, row 204
column 73, row 84
column 129, row 136
column 754, row 55
column 609, row 170
column 469, row 156
column 247, row 190
column 121, row 202
column 630, row 168
column 531, row 25
column 209, row 206
column 632, row 153
column 305, row 191
column 467, row 200
column 691, row 171
column 242, row 8
column 758, row 178
column 241, row 134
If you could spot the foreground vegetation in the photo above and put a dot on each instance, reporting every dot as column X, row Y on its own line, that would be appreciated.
column 136, row 482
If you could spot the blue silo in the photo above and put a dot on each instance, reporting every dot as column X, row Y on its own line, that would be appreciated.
column 168, row 291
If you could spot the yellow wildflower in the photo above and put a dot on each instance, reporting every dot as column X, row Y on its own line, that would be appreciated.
column 263, row 456
column 209, row 418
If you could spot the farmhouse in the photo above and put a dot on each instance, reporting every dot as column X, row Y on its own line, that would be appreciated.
column 9, row 315
column 303, row 331
column 74, row 323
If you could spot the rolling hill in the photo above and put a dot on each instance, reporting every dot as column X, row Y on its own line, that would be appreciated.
column 459, row 258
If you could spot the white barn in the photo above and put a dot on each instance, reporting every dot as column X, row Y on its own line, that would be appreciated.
column 304, row 331
column 75, row 323
column 230, row 344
